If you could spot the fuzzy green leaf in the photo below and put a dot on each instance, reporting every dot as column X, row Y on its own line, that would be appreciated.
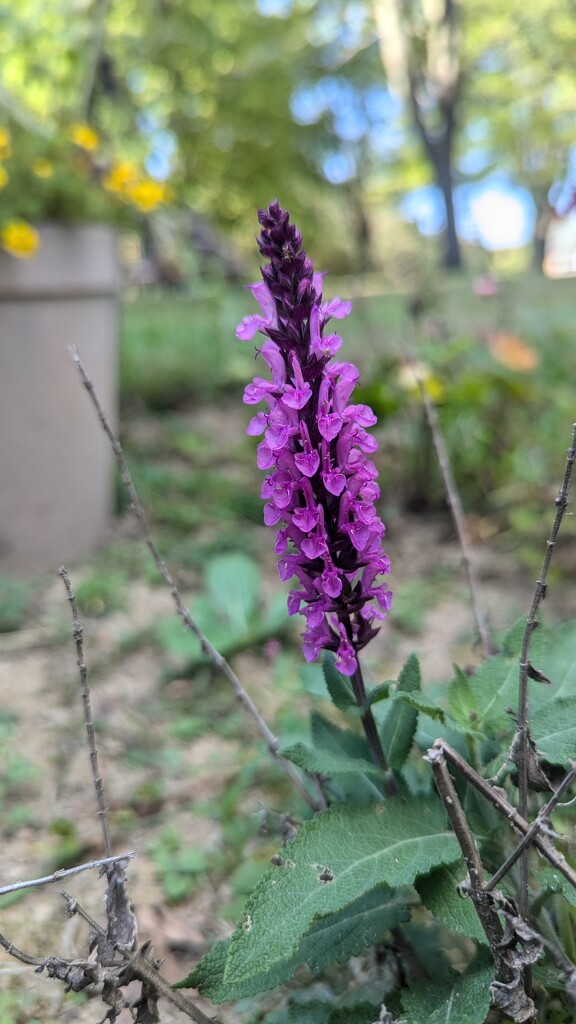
column 333, row 939
column 456, row 999
column 318, row 1011
column 421, row 703
column 462, row 700
column 329, row 737
column 233, row 581
column 326, row 762
column 495, row 684
column 409, row 679
column 399, row 726
column 512, row 642
column 553, row 729
column 438, row 892
column 377, row 693
column 551, row 879
column 335, row 858
column 341, row 741
column 337, row 685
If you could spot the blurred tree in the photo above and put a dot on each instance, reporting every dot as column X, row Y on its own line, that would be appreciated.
column 420, row 45
column 521, row 95
column 337, row 107
column 199, row 92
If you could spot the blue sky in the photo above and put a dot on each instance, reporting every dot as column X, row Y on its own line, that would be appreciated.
column 494, row 212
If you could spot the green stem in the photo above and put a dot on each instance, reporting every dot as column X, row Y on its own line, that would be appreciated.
column 371, row 731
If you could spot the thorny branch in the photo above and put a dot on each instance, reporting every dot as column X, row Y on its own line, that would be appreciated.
column 96, row 776
column 142, row 965
column 104, row 862
column 537, row 825
column 507, row 990
column 522, row 737
column 455, row 503
column 497, row 798
column 208, row 649
column 488, row 917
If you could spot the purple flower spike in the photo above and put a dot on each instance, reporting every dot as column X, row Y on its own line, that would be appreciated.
column 320, row 487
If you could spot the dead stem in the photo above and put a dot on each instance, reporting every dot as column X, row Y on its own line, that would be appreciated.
column 77, row 633
column 208, row 649
column 57, row 876
column 455, row 503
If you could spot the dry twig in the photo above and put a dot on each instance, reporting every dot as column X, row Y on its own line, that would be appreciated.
column 455, row 504
column 96, row 776
column 208, row 649
column 522, row 736
column 497, row 798
column 57, row 876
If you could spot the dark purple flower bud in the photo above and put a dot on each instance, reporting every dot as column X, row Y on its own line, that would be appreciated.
column 321, row 489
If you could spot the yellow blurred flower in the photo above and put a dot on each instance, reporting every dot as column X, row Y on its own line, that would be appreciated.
column 19, row 239
column 4, row 179
column 413, row 376
column 121, row 176
column 513, row 352
column 147, row 194
column 5, row 144
column 85, row 137
column 42, row 167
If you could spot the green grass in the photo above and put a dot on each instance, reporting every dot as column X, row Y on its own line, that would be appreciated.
column 178, row 350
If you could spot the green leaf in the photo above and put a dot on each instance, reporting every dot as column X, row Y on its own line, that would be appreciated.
column 340, row 741
column 233, row 582
column 512, row 642
column 409, row 679
column 318, row 1011
column 399, row 726
column 335, row 858
column 551, row 879
column 337, row 685
column 553, row 729
column 438, row 892
column 334, row 939
column 462, row 699
column 377, row 693
column 456, row 999
column 495, row 684
column 421, row 703
column 326, row 762
column 329, row 737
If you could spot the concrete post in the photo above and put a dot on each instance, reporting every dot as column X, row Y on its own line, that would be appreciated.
column 56, row 468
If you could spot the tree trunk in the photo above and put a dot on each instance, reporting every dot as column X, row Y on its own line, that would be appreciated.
column 420, row 48
column 441, row 157
column 438, row 146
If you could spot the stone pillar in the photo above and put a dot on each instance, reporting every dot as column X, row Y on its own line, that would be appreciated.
column 56, row 467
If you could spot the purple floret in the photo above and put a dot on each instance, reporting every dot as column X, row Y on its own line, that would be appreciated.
column 321, row 483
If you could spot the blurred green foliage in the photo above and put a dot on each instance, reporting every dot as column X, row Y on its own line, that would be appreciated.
column 16, row 599
column 500, row 370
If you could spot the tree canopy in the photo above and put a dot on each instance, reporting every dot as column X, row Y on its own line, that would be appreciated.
column 333, row 106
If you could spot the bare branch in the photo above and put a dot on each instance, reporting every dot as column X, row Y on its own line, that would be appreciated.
column 535, row 827
column 140, row 965
column 488, row 917
column 57, row 876
column 455, row 503
column 141, row 968
column 522, row 734
column 496, row 797
column 77, row 633
column 208, row 649
column 25, row 958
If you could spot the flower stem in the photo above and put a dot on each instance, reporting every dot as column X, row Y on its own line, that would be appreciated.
column 371, row 731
